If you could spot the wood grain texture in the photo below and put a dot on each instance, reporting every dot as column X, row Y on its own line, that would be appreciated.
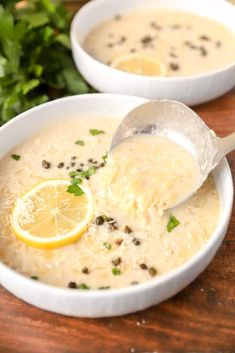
column 200, row 319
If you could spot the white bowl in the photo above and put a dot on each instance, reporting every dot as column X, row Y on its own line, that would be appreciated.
column 114, row 302
column 190, row 90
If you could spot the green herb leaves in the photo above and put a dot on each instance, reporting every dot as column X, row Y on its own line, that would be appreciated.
column 105, row 158
column 35, row 57
column 76, row 181
column 107, row 245
column 172, row 223
column 35, row 278
column 116, row 271
column 95, row 132
column 84, row 173
column 77, row 177
column 83, row 286
column 80, row 142
column 16, row 157
column 75, row 189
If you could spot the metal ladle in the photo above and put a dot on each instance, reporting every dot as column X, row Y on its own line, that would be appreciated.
column 181, row 124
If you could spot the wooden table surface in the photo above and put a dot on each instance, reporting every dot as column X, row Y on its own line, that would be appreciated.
column 199, row 319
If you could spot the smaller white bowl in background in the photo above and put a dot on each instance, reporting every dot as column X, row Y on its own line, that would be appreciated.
column 114, row 302
column 190, row 90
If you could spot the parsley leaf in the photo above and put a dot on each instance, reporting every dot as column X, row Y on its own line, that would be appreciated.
column 116, row 271
column 84, row 173
column 80, row 142
column 77, row 177
column 172, row 223
column 76, row 181
column 107, row 245
column 105, row 157
column 95, row 132
column 75, row 189
column 91, row 171
column 16, row 157
column 73, row 174
column 83, row 286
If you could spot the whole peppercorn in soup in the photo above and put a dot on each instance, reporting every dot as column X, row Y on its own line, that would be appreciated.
column 130, row 235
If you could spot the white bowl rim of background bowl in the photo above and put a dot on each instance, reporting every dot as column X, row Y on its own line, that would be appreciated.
column 82, row 12
column 11, row 277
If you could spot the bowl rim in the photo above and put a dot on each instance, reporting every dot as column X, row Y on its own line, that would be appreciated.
column 225, row 214
column 128, row 75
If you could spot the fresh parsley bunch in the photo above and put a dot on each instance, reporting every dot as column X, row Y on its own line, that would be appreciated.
column 35, row 57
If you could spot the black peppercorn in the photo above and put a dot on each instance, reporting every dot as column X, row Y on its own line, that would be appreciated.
column 152, row 271
column 174, row 66
column 60, row 165
column 45, row 164
column 113, row 226
column 146, row 40
column 143, row 266
column 117, row 261
column 72, row 285
column 85, row 270
column 99, row 220
column 136, row 241
column 128, row 230
column 119, row 242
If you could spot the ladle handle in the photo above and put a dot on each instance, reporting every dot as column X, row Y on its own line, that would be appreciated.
column 225, row 145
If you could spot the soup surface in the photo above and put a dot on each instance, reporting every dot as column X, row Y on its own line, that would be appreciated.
column 130, row 239
column 147, row 170
column 187, row 44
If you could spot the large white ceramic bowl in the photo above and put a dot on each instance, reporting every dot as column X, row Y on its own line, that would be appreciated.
column 190, row 90
column 114, row 302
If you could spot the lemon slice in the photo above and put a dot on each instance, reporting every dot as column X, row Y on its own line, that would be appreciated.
column 140, row 64
column 48, row 216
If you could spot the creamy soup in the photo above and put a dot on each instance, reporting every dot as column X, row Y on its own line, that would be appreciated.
column 187, row 44
column 120, row 247
column 149, row 171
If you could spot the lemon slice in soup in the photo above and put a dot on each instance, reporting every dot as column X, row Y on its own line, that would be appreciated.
column 140, row 64
column 48, row 216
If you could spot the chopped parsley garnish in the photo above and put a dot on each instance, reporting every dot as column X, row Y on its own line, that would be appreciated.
column 75, row 189
column 73, row 174
column 172, row 223
column 107, row 245
column 84, row 173
column 95, row 132
column 91, row 171
column 105, row 157
column 105, row 287
column 83, row 286
column 77, row 177
column 16, row 157
column 116, row 271
column 80, row 142
column 76, row 181
column 35, row 278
